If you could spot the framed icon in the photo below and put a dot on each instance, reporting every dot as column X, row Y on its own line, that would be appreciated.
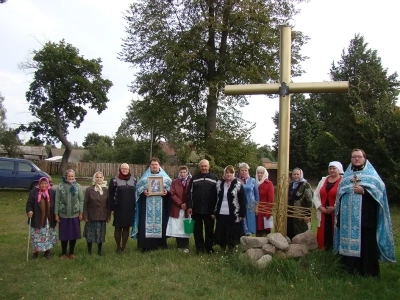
column 155, row 185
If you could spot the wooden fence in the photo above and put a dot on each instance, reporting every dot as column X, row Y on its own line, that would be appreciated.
column 87, row 169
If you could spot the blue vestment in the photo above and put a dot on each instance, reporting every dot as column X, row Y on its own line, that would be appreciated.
column 154, row 206
column 347, row 238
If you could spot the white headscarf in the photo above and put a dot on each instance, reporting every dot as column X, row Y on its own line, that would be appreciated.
column 338, row 165
column 99, row 187
column 265, row 176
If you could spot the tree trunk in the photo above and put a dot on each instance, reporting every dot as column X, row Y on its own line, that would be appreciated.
column 65, row 142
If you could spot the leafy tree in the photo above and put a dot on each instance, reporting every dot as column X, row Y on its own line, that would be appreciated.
column 3, row 125
column 266, row 151
column 34, row 142
column 10, row 141
column 100, row 152
column 64, row 84
column 304, row 129
column 186, row 51
column 94, row 138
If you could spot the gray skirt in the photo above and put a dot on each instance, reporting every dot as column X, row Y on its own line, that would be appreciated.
column 95, row 231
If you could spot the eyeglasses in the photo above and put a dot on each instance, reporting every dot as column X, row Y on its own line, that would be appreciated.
column 357, row 156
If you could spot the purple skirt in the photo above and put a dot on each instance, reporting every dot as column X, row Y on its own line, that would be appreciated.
column 69, row 229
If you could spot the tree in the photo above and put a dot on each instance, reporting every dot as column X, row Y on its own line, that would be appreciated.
column 266, row 151
column 64, row 84
column 3, row 125
column 10, row 141
column 94, row 138
column 3, row 1
column 186, row 51
column 304, row 128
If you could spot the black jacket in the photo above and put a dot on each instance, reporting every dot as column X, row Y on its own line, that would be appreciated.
column 201, row 194
column 236, row 199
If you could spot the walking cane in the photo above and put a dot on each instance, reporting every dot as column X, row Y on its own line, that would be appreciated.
column 29, row 238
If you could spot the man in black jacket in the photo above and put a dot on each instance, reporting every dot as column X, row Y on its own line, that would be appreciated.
column 201, row 197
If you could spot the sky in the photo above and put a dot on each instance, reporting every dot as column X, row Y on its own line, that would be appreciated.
column 96, row 28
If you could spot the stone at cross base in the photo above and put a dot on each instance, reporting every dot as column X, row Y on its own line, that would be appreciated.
column 284, row 89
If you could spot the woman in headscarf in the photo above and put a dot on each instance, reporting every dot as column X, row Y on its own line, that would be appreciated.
column 178, row 209
column 252, row 197
column 96, row 213
column 229, row 210
column 122, row 195
column 324, row 201
column 40, row 207
column 300, row 194
column 266, row 192
column 69, row 212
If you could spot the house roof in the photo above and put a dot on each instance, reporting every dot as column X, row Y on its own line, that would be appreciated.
column 29, row 151
column 76, row 154
column 167, row 149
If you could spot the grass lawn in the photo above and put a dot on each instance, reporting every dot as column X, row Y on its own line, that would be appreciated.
column 169, row 274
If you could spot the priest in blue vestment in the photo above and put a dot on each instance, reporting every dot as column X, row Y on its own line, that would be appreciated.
column 363, row 231
column 152, row 211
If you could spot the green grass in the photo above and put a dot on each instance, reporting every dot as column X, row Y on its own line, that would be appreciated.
column 169, row 274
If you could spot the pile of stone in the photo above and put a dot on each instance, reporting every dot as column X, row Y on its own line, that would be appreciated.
column 262, row 249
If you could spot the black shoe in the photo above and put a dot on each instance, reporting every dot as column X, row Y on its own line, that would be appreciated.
column 35, row 255
column 47, row 254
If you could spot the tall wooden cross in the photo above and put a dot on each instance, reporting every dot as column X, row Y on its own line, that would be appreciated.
column 284, row 89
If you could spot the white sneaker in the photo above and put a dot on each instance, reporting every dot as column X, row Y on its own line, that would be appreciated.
column 186, row 250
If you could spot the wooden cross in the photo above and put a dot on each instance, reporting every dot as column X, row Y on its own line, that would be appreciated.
column 284, row 89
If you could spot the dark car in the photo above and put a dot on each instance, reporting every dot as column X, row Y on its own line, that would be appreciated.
column 19, row 173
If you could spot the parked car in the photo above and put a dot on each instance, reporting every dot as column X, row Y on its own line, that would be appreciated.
column 19, row 173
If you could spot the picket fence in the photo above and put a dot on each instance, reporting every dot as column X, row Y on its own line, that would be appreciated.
column 87, row 169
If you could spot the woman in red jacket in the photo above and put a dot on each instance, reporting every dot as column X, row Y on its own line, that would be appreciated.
column 178, row 209
column 266, row 192
column 324, row 201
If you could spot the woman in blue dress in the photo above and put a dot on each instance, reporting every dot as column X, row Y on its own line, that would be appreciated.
column 252, row 196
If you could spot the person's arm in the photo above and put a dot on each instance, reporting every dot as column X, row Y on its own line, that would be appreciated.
column 81, row 200
column 174, row 197
column 111, row 193
column 85, row 205
column 242, row 202
column 317, row 196
column 189, row 199
column 307, row 200
column 57, row 204
column 29, row 204
column 255, row 191
column 108, row 204
column 270, row 196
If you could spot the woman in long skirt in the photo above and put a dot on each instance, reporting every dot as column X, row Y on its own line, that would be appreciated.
column 69, row 212
column 96, row 213
column 230, row 210
column 40, row 207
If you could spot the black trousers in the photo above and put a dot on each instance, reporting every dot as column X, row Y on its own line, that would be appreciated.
column 203, row 243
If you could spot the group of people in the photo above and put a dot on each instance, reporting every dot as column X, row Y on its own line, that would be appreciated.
column 352, row 210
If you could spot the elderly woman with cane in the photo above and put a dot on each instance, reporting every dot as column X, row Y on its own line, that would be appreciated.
column 40, row 210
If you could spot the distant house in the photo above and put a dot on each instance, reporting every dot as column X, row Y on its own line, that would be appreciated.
column 170, row 152
column 76, row 154
column 29, row 152
column 272, row 168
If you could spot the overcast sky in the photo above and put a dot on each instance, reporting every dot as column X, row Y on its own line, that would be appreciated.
column 96, row 28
